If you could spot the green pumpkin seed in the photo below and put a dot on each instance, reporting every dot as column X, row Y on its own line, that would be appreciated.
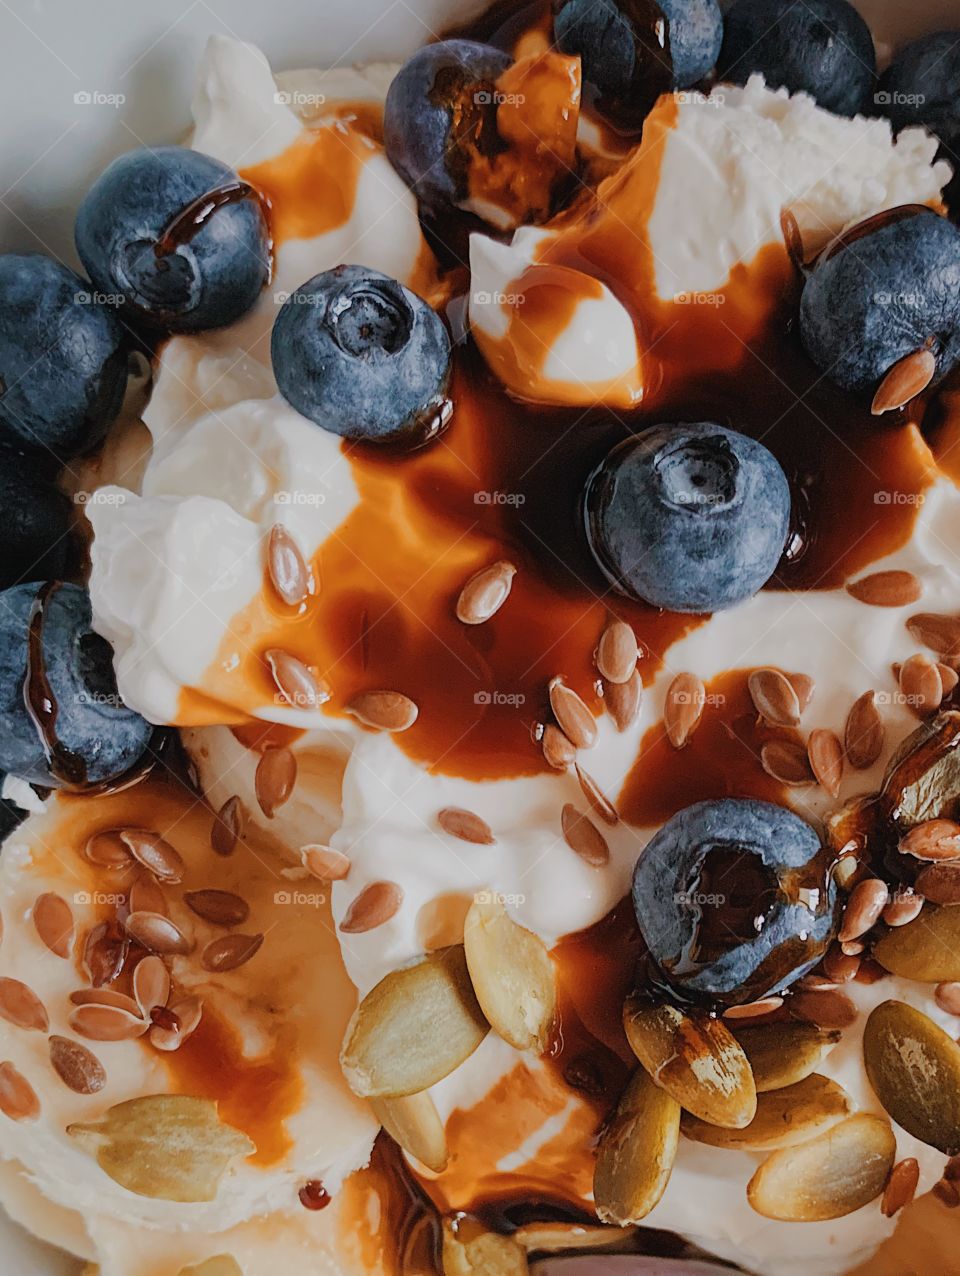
column 782, row 1054
column 784, row 1117
column 923, row 777
column 830, row 1176
column 695, row 1058
column 926, row 949
column 636, row 1153
column 914, row 1068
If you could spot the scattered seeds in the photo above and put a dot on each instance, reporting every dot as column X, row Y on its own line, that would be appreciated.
column 227, row 827
column 465, row 825
column 373, row 907
column 785, row 1117
column 914, row 1069
column 220, row 908
column 940, row 633
column 414, row 1123
column 596, row 797
column 864, row 732
column 695, row 1058
column 557, row 749
column 787, row 762
column 623, row 700
column 904, row 906
column 413, row 1028
column 774, row 697
column 636, row 1152
column 683, row 708
column 286, row 567
column 324, row 862
column 901, row 1186
column 384, row 710
column 53, row 922
column 886, row 589
column 921, row 684
column 107, row 850
column 169, row 1147
column 77, row 1067
column 825, row 755
column 512, row 974
column 151, row 984
column 468, row 1249
column 933, row 840
column 297, row 683
column 583, row 837
column 939, row 883
column 573, row 717
column 158, row 934
column 781, row 1054
column 275, row 778
column 105, row 952
column 107, row 1023
column 617, row 652
column 907, row 378
column 229, row 951
column 832, row 1175
column 18, row 1099
column 155, row 854
column 827, row 1009
column 485, row 593
column 867, row 901
column 947, row 997
column 21, row 1006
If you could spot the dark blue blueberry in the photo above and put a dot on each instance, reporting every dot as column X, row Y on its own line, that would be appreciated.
column 36, row 517
column 62, row 723
column 177, row 237
column 922, row 81
column 822, row 47
column 63, row 359
column 690, row 518
column 11, row 815
column 886, row 293
column 695, row 30
column 439, row 114
column 363, row 357
column 735, row 900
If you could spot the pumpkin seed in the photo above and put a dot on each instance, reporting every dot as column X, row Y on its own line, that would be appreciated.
column 926, row 949
column 513, row 976
column 695, row 1058
column 781, row 1054
column 830, row 1176
column 219, row 1265
column 636, row 1152
column 914, row 1069
column 923, row 778
column 468, row 1249
column 560, row 1238
column 414, row 1123
column 414, row 1028
column 168, row 1147
column 784, row 1117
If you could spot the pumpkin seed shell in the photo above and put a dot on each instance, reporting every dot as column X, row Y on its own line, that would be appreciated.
column 636, row 1152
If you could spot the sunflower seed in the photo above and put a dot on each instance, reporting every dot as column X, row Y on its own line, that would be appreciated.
column 827, row 1009
column 785, row 1117
column 863, row 732
column 384, row 710
column 867, row 901
column 485, row 593
column 825, row 755
column 583, row 837
column 107, row 850
column 901, row 1186
column 939, row 883
column 774, row 698
column 228, row 952
column 948, row 678
column 414, row 1028
column 694, row 1058
column 596, row 797
column 904, row 906
column 753, row 1009
column 324, row 862
column 414, row 1123
column 832, row 1175
column 636, row 1153
column 77, row 1067
column 18, row 1099
column 155, row 854
column 886, row 589
column 617, row 652
column 227, row 827
column 940, row 633
column 105, row 951
column 623, row 700
column 103, row 997
column 466, row 826
column 296, row 682
column 933, row 840
column 286, row 567
column 683, row 708
column 787, row 762
column 107, row 1023
column 220, row 908
column 168, row 1147
column 275, row 778
column 914, row 1069
column 21, row 1006
column 373, row 907
column 557, row 749
column 158, row 934
column 146, row 896
column 53, row 922
column 907, row 378
column 512, row 974
column 781, row 1054
column 840, row 967
column 947, row 997
column 468, row 1249
column 573, row 717
column 921, row 684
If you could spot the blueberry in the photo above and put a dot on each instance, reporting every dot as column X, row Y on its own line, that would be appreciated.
column 439, row 112
column 923, row 81
column 735, row 900
column 36, row 522
column 63, row 359
column 893, row 288
column 11, row 815
column 820, row 47
column 695, row 31
column 690, row 518
column 363, row 357
column 177, row 237
column 62, row 723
